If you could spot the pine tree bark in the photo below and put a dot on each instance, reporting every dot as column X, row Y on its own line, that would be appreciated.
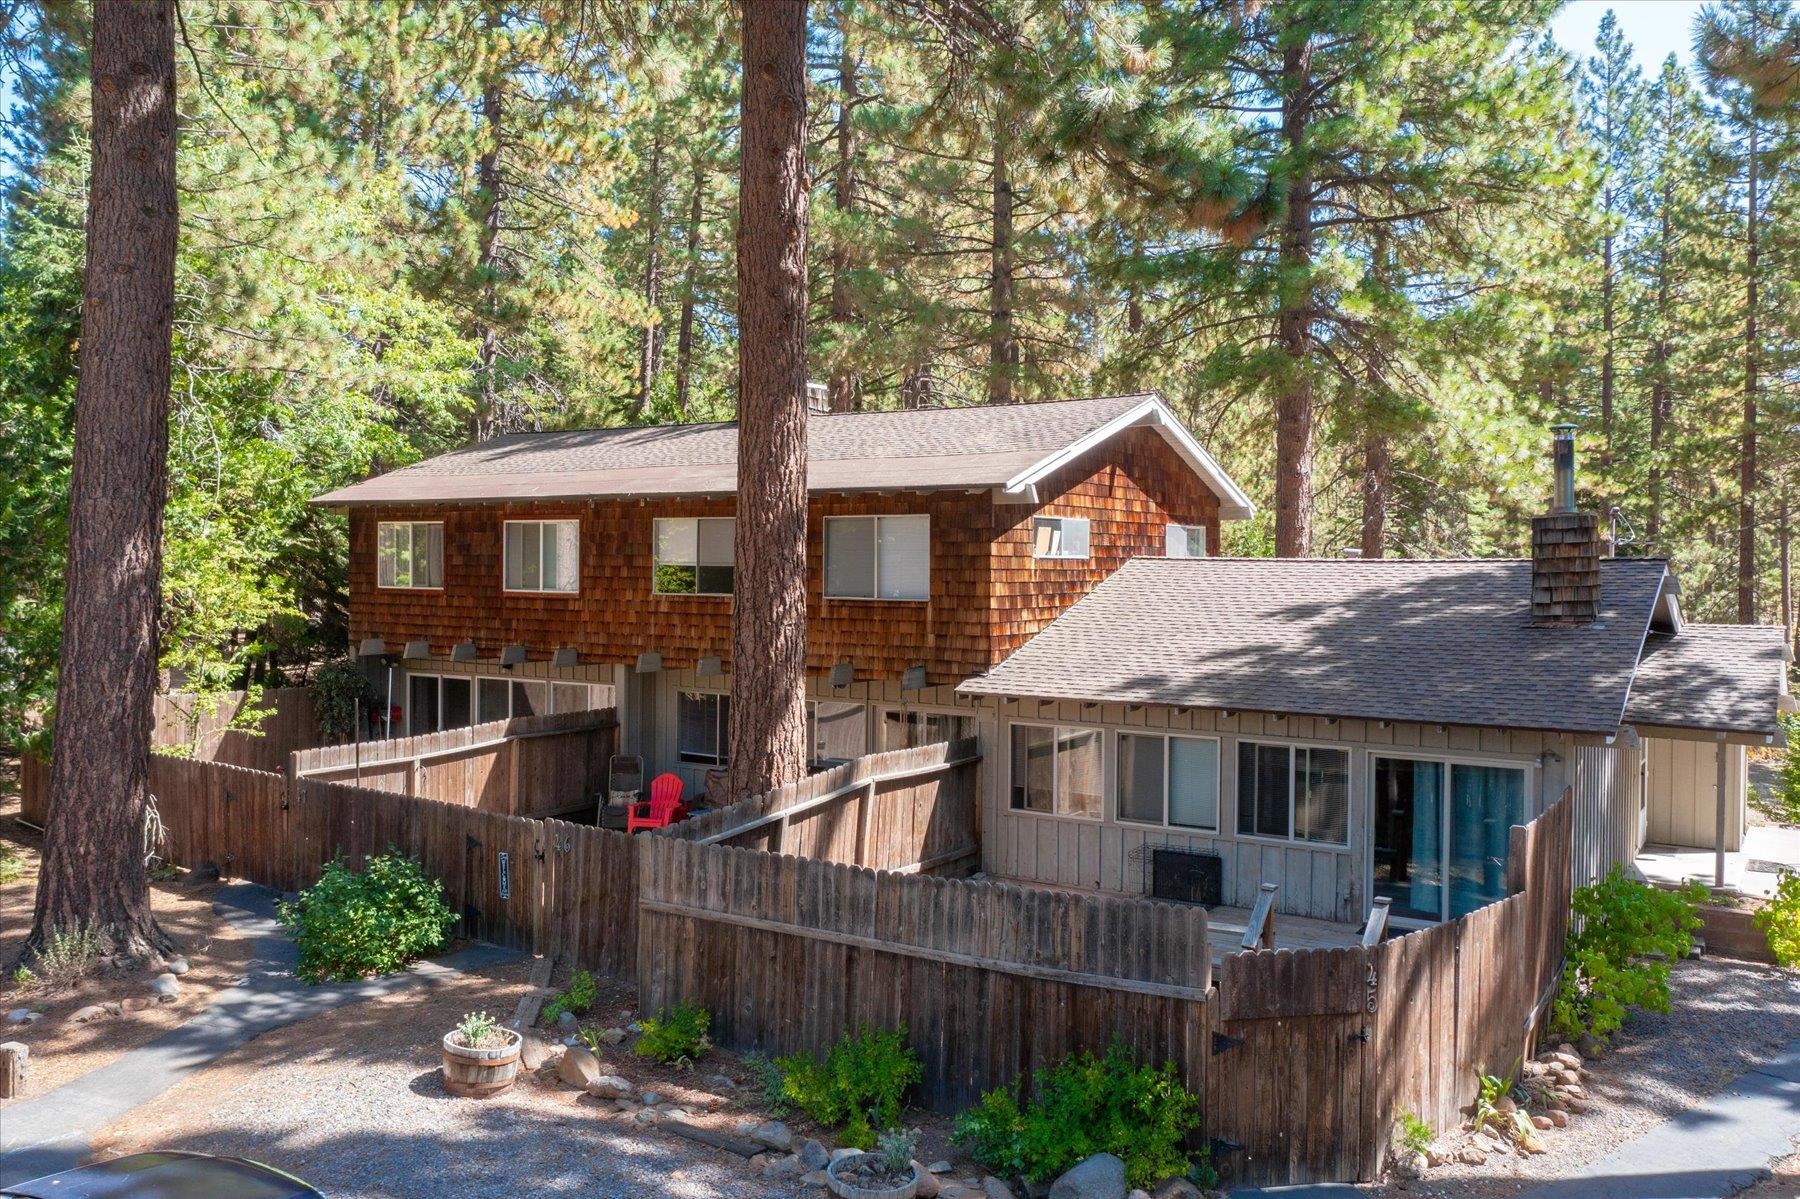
column 93, row 871
column 650, row 337
column 768, row 667
column 1294, row 400
column 843, row 198
column 1660, row 396
column 488, row 419
column 1746, row 571
column 684, row 335
column 1377, row 475
column 1003, row 343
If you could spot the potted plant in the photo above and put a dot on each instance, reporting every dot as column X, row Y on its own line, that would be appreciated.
column 481, row 1057
column 888, row 1173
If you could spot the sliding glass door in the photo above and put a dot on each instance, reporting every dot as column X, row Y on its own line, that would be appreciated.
column 1442, row 833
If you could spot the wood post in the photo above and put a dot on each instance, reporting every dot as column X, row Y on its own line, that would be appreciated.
column 1722, row 785
column 1376, row 928
column 13, row 1056
column 1260, row 932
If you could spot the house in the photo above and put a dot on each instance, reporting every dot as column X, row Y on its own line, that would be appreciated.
column 1351, row 730
column 537, row 572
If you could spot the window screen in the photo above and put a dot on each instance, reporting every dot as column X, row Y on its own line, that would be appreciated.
column 1263, row 790
column 1194, row 782
column 422, row 703
column 703, row 722
column 1186, row 541
column 456, row 713
column 1322, row 795
column 542, row 555
column 839, row 732
column 530, row 698
column 1141, row 761
column 850, row 557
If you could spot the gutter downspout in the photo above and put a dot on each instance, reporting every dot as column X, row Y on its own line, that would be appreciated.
column 1719, row 820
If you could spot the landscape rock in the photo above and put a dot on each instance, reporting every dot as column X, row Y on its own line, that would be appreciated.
column 815, row 1178
column 993, row 1188
column 1533, row 1144
column 720, row 1082
column 650, row 1098
column 134, row 1003
column 1418, row 1163
column 610, row 1086
column 166, row 987
column 1101, row 1176
column 772, row 1133
column 23, row 1015
column 1505, row 1105
column 814, row 1155
column 1559, row 1118
column 938, row 1167
column 1177, row 1188
column 611, row 1036
column 89, row 1014
column 566, row 1022
column 759, row 1162
column 533, row 1052
column 842, row 1152
column 785, row 1166
column 578, row 1067
column 178, row 966
column 1543, row 1122
column 1137, row 1193
column 928, row 1182
column 952, row 1189
column 1471, row 1156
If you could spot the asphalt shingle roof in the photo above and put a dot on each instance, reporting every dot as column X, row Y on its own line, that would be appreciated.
column 1718, row 677
column 1432, row 641
column 865, row 451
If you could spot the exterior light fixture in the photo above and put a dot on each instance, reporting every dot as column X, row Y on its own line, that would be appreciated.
column 512, row 655
column 465, row 651
column 913, row 679
column 417, row 649
column 565, row 655
column 710, row 666
column 371, row 647
column 650, row 663
column 843, row 674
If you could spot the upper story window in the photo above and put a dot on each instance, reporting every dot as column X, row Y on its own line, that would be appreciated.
column 543, row 555
column 878, row 557
column 1059, row 537
column 1056, row 770
column 409, row 554
column 694, row 555
column 1187, row 541
column 1293, row 792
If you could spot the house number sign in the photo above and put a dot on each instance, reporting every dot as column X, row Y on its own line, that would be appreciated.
column 505, row 875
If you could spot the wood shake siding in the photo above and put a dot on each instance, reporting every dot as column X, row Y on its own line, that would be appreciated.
column 987, row 592
column 1132, row 488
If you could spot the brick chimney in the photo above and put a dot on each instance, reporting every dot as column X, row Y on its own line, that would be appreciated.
column 1566, row 548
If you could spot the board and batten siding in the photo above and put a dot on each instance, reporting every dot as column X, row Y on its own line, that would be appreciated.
column 1683, row 792
column 1324, row 882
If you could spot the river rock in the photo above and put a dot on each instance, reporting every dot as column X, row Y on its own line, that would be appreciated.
column 844, row 1151
column 772, row 1133
column 1542, row 1123
column 929, row 1186
column 178, row 966
column 1101, row 1176
column 578, row 1067
column 610, row 1086
column 89, row 1014
column 814, row 1155
column 1471, row 1156
column 567, row 1023
column 993, row 1188
column 938, row 1167
column 23, row 1015
column 1559, row 1118
column 166, row 987
column 816, row 1178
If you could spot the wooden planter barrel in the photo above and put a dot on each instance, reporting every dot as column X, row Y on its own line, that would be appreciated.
column 478, row 1073
column 849, row 1190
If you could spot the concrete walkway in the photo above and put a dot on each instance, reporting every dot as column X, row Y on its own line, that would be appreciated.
column 1710, row 1152
column 53, row 1131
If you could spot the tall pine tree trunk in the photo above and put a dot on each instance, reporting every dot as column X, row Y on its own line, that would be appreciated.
column 1293, row 403
column 93, row 866
column 1377, row 477
column 1660, row 405
column 650, row 338
column 1003, row 344
column 684, row 334
column 1746, row 580
column 768, row 636
column 843, row 198
column 488, row 420
column 1608, row 288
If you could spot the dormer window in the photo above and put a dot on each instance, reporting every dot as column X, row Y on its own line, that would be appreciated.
column 543, row 556
column 695, row 555
column 1059, row 537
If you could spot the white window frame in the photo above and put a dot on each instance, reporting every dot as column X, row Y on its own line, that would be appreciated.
column 1237, row 796
column 1056, row 730
column 1167, row 738
column 657, row 562
column 542, row 525
column 721, row 729
column 411, row 527
column 875, row 543
column 1187, row 533
column 1061, row 536
column 1406, row 753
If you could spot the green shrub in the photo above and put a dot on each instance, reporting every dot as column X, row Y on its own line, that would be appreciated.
column 1415, row 1136
column 765, row 1077
column 11, row 864
column 578, row 1000
column 1624, row 936
column 676, row 1038
column 1083, row 1106
column 352, row 924
column 1783, row 801
column 67, row 956
column 1779, row 920
column 859, row 1085
column 336, row 687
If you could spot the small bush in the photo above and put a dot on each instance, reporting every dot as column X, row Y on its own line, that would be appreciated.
column 1625, row 936
column 676, row 1038
column 67, row 956
column 1415, row 1136
column 1783, row 802
column 578, row 1000
column 765, row 1076
column 1087, row 1105
column 859, row 1085
column 11, row 864
column 478, row 1030
column 1779, row 920
column 352, row 924
column 336, row 687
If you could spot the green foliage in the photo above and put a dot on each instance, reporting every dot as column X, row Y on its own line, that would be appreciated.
column 11, row 864
column 1785, row 795
column 1515, row 1125
column 67, row 956
column 353, row 924
column 766, row 1078
column 1625, row 935
column 24, row 977
column 1415, row 1135
column 859, row 1085
column 676, row 1038
column 336, row 687
column 1083, row 1106
column 478, row 1030
column 897, row 1148
column 1779, row 920
column 577, row 1000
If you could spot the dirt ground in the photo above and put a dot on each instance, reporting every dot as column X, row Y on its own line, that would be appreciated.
column 217, row 955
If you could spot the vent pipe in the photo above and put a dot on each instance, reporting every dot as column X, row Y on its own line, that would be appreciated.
column 1562, row 459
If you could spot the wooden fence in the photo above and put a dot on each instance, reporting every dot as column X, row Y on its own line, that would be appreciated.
column 203, row 729
column 539, row 766
column 907, row 810
column 1322, row 1050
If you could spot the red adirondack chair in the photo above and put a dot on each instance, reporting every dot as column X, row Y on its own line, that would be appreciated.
column 662, row 809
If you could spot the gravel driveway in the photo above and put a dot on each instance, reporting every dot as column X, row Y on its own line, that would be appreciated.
column 351, row 1103
column 1727, row 1016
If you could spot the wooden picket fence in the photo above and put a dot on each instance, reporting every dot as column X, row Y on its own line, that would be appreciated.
column 539, row 766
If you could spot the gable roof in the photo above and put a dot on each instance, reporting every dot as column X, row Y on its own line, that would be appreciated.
column 1724, row 678
column 1010, row 447
column 1430, row 641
